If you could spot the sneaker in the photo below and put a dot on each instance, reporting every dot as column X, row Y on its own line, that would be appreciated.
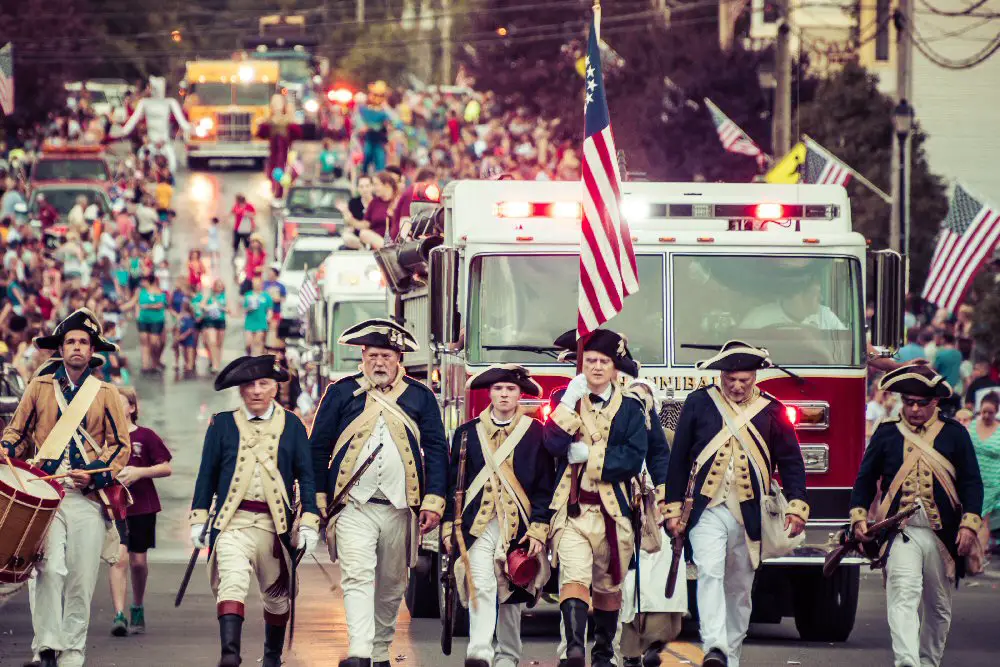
column 119, row 627
column 138, row 621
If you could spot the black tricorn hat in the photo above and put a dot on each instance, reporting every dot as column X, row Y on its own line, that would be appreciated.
column 79, row 320
column 247, row 369
column 379, row 332
column 735, row 356
column 512, row 373
column 606, row 342
column 916, row 380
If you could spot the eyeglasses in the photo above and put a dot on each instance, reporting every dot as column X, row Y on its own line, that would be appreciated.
column 917, row 402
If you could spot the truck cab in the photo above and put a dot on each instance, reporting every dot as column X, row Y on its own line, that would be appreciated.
column 493, row 277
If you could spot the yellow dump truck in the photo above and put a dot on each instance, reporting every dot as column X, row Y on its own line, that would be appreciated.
column 225, row 101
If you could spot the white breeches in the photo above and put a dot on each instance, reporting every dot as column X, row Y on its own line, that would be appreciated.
column 725, row 580
column 371, row 548
column 919, row 598
column 66, row 579
column 488, row 618
column 243, row 553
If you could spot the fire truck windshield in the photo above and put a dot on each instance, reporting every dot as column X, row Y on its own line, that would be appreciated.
column 804, row 310
column 523, row 301
column 347, row 314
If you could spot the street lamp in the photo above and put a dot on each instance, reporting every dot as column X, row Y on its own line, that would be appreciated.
column 902, row 123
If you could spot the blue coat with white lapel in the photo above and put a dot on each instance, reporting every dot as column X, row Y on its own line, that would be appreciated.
column 615, row 463
column 221, row 458
column 697, row 426
column 533, row 468
column 426, row 462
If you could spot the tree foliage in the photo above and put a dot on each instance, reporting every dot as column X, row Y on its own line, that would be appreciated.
column 853, row 120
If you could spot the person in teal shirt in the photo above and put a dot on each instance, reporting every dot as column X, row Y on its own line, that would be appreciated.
column 211, row 312
column 152, row 320
column 948, row 364
column 257, row 304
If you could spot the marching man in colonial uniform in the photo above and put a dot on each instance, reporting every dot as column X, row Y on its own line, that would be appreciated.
column 730, row 436
column 509, row 476
column 928, row 460
column 598, row 434
column 69, row 422
column 381, row 413
column 250, row 462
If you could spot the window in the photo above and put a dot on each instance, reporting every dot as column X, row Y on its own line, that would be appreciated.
column 530, row 300
column 347, row 314
column 254, row 94
column 882, row 21
column 317, row 201
column 71, row 170
column 213, row 94
column 305, row 260
column 804, row 310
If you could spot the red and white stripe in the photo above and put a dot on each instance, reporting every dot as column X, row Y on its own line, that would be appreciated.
column 734, row 140
column 608, row 271
column 958, row 257
column 834, row 173
column 307, row 295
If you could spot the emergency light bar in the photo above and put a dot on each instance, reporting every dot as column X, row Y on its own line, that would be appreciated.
column 764, row 211
column 568, row 210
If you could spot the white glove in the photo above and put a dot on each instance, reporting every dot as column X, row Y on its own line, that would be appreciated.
column 579, row 452
column 576, row 390
column 196, row 540
column 308, row 539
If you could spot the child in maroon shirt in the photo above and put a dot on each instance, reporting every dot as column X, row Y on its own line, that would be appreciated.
column 150, row 459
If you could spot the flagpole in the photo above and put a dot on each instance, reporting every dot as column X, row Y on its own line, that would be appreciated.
column 871, row 186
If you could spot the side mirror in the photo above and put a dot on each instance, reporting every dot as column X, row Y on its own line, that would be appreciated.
column 887, row 322
column 443, row 292
column 316, row 332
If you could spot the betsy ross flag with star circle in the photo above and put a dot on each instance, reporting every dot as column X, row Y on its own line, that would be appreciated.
column 607, row 259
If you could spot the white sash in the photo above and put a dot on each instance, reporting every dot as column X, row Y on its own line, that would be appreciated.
column 494, row 462
column 72, row 415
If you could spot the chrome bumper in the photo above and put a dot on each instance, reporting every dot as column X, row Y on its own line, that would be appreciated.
column 228, row 150
column 821, row 539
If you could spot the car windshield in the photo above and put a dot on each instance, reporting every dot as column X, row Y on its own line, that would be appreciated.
column 519, row 302
column 213, row 94
column 301, row 259
column 347, row 314
column 83, row 170
column 804, row 310
column 294, row 70
column 254, row 94
column 64, row 199
column 317, row 201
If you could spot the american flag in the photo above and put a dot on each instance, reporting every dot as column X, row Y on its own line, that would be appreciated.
column 607, row 260
column 7, row 79
column 734, row 139
column 307, row 294
column 823, row 168
column 968, row 237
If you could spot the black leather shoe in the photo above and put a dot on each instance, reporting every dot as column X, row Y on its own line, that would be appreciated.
column 230, row 630
column 355, row 662
column 651, row 657
column 574, row 613
column 380, row 663
column 31, row 663
column 605, row 627
column 476, row 662
column 47, row 658
column 715, row 658
column 632, row 662
column 274, row 642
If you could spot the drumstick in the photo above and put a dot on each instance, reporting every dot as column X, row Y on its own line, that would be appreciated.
column 13, row 468
column 67, row 474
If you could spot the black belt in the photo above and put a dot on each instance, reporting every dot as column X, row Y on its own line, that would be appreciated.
column 379, row 501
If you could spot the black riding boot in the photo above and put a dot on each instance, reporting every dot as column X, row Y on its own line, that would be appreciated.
column 47, row 658
column 632, row 662
column 574, row 613
column 605, row 627
column 274, row 642
column 230, row 629
column 355, row 662
column 651, row 656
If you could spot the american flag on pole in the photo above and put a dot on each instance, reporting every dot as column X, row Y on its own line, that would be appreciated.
column 968, row 237
column 7, row 79
column 607, row 260
column 823, row 168
column 307, row 294
column 733, row 138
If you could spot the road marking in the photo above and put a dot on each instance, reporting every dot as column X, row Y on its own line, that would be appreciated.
column 682, row 653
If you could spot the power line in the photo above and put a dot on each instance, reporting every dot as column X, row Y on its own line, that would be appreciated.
column 968, row 11
column 947, row 63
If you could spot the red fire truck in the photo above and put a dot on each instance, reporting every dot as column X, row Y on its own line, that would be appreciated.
column 490, row 275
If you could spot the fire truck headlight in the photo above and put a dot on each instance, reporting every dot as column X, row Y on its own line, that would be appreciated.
column 246, row 73
column 311, row 106
column 635, row 209
column 207, row 123
column 201, row 131
column 816, row 458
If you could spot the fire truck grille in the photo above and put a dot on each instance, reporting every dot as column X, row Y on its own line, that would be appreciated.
column 669, row 412
column 234, row 126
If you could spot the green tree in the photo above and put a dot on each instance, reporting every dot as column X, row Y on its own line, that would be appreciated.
column 378, row 53
column 853, row 120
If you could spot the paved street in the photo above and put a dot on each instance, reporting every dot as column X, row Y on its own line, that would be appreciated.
column 179, row 410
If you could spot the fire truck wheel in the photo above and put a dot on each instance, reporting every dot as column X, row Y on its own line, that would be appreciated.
column 825, row 607
column 422, row 588
column 196, row 163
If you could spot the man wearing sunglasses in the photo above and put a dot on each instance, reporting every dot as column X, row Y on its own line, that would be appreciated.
column 923, row 459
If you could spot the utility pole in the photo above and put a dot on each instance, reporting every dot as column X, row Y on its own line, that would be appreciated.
column 359, row 12
column 447, row 78
column 782, row 119
column 899, row 222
